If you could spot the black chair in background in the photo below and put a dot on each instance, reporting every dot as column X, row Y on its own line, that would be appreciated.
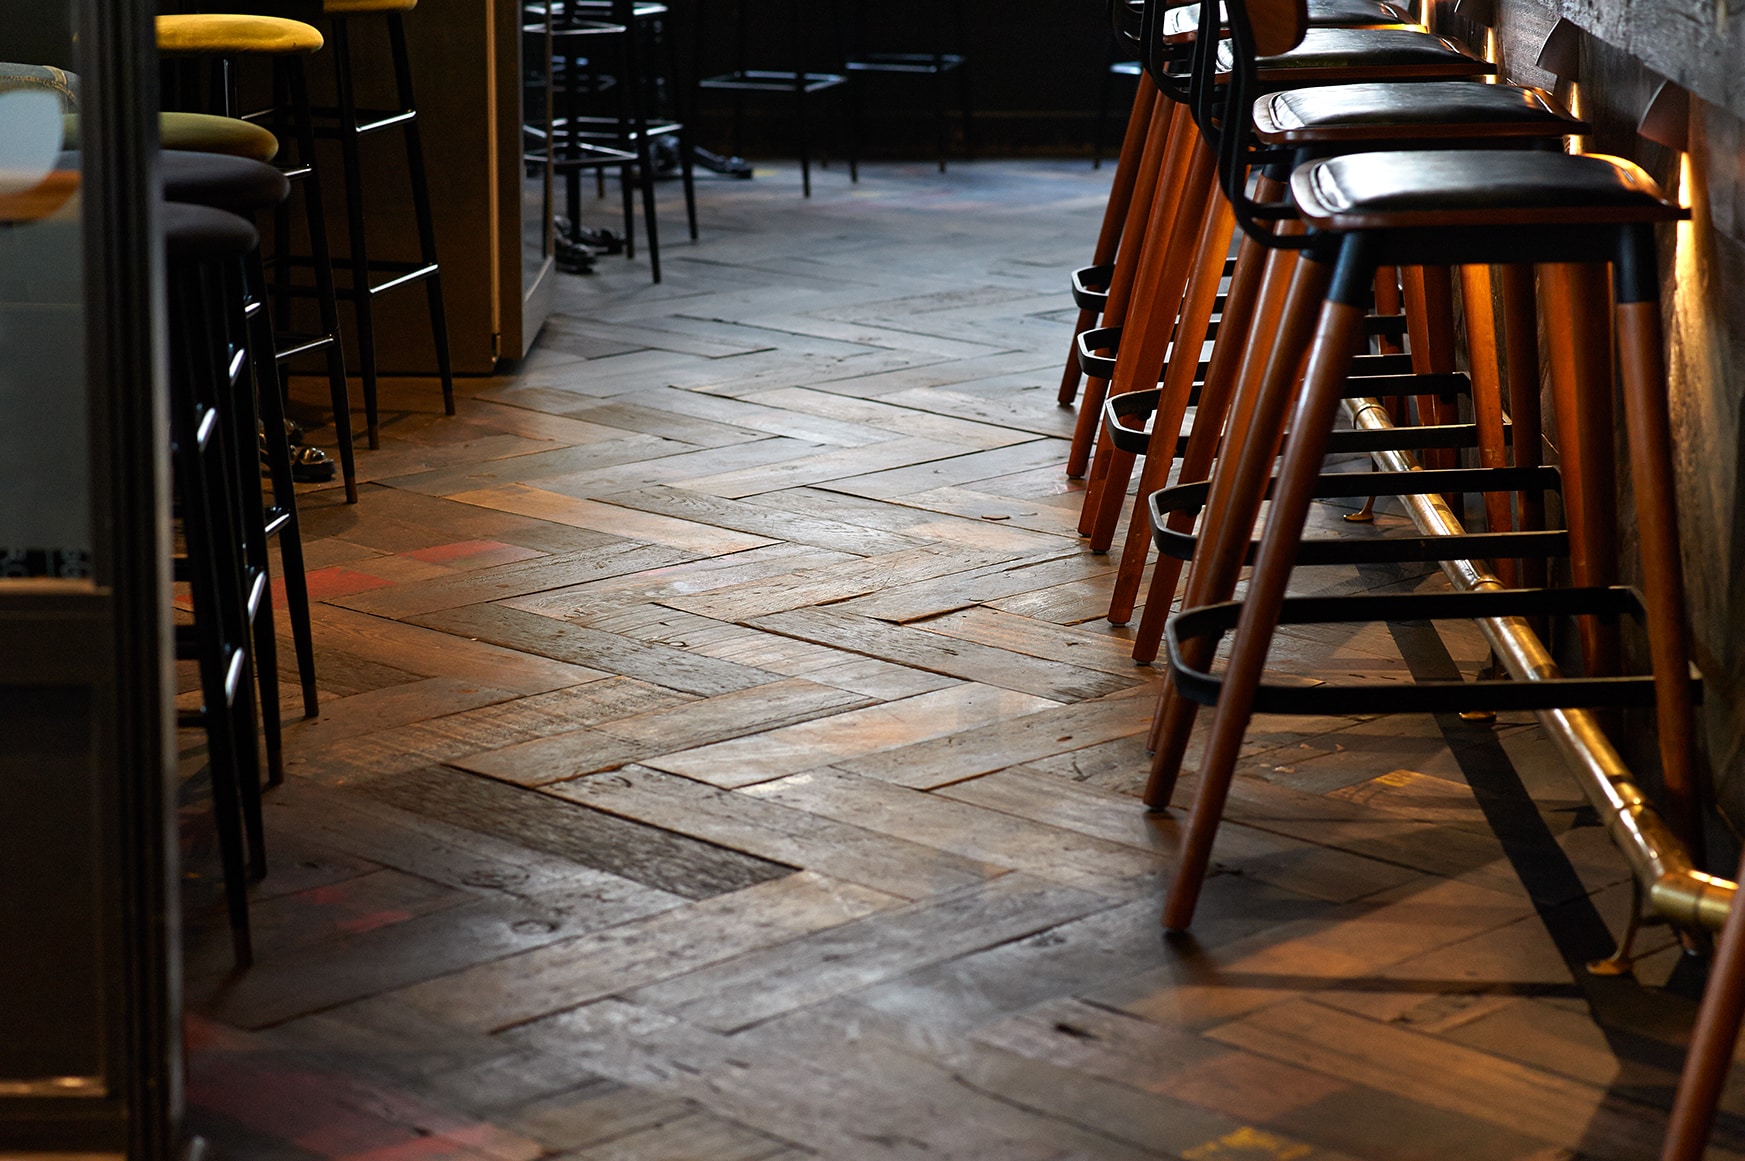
column 943, row 56
column 799, row 80
column 610, row 107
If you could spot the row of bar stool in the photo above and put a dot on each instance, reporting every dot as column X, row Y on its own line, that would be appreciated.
column 1369, row 195
column 229, row 339
column 1476, row 205
column 225, row 398
column 222, row 41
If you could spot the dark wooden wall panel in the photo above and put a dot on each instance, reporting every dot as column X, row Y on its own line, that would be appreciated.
column 1625, row 53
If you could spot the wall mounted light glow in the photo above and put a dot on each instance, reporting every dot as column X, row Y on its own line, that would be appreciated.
column 1666, row 120
column 1560, row 54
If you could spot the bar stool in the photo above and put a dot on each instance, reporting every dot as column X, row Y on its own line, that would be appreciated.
column 1366, row 211
column 1159, row 145
column 247, row 189
column 798, row 81
column 1341, row 116
column 206, row 433
column 226, row 38
column 945, row 56
column 580, row 32
column 352, row 124
column 1307, row 123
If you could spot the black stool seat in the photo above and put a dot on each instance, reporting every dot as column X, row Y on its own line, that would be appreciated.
column 236, row 184
column 1339, row 52
column 1378, row 111
column 203, row 234
column 641, row 10
column 1476, row 187
column 1185, row 21
column 359, row 7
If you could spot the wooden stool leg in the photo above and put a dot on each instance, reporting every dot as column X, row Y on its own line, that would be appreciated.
column 1652, row 480
column 1239, row 486
column 1172, row 404
column 1109, row 237
column 1222, row 374
column 1487, row 399
column 1151, row 325
column 1429, row 304
column 1175, row 136
column 1336, row 339
column 1581, row 387
column 1389, row 302
column 1521, row 347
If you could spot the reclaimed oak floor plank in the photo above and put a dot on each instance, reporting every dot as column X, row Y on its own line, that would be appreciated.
column 724, row 754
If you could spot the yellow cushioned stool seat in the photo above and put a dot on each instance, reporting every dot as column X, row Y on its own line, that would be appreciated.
column 224, row 35
column 208, row 133
column 198, row 133
column 354, row 7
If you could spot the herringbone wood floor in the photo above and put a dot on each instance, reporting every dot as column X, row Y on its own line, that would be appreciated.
column 723, row 758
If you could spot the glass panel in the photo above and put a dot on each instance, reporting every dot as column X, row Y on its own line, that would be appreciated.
column 45, row 503
column 536, row 231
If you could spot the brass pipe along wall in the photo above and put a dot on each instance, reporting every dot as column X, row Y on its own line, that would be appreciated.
column 1671, row 885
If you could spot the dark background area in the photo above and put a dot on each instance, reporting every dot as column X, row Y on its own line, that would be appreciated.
column 1036, row 71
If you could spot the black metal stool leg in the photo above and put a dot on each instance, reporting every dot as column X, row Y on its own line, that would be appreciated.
column 421, row 207
column 684, row 106
column 283, row 516
column 326, row 294
column 242, row 588
column 204, row 533
column 637, row 99
column 964, row 88
column 363, row 305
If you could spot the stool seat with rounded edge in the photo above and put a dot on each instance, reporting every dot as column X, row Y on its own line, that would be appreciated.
column 236, row 184
column 1337, row 53
column 1388, row 111
column 210, row 133
column 198, row 34
column 359, row 7
column 1184, row 22
column 1413, row 189
column 204, row 234
column 197, row 133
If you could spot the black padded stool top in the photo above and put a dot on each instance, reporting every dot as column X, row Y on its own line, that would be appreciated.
column 1394, row 51
column 202, row 234
column 1475, row 187
column 237, row 184
column 1376, row 110
column 1181, row 22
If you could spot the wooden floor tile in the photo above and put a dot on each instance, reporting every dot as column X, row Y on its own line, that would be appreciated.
column 780, row 752
column 725, row 753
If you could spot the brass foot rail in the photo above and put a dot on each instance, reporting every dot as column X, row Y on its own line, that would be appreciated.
column 1671, row 884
